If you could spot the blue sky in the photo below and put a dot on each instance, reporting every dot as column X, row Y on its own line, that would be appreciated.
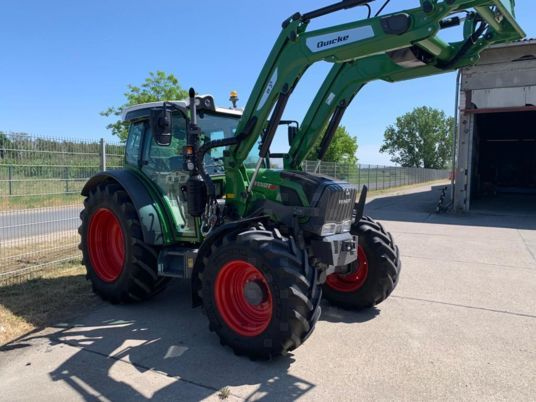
column 65, row 61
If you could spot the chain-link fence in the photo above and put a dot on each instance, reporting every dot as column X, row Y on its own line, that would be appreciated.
column 376, row 177
column 40, row 202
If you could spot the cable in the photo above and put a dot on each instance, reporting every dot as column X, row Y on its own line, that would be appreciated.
column 382, row 7
column 369, row 10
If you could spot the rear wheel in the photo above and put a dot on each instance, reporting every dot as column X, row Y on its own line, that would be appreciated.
column 120, row 266
column 374, row 275
column 259, row 292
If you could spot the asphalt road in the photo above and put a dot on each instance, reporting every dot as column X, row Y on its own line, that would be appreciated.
column 460, row 326
column 39, row 221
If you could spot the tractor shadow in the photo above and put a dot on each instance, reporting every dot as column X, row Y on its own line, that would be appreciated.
column 137, row 352
column 338, row 315
column 500, row 211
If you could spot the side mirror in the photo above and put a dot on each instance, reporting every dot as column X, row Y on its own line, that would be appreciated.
column 292, row 132
column 161, row 126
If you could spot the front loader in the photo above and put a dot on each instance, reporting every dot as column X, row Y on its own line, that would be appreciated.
column 197, row 198
column 373, row 278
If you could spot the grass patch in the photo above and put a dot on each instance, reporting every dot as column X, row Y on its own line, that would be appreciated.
column 58, row 294
column 39, row 250
column 40, row 201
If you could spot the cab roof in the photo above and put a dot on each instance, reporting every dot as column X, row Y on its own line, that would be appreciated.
column 143, row 109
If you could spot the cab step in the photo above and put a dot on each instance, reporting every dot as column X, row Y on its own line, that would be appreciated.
column 177, row 262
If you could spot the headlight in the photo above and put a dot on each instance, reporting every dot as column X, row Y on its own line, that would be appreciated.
column 328, row 229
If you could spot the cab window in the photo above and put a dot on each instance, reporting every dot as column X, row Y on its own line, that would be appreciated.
column 167, row 158
column 135, row 134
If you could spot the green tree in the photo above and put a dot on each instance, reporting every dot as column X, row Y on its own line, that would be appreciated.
column 5, row 143
column 342, row 149
column 158, row 86
column 420, row 138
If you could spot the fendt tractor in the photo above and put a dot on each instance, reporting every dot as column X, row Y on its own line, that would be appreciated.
column 198, row 198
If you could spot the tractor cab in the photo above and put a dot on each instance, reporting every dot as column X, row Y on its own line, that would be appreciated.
column 163, row 163
column 161, row 160
column 215, row 123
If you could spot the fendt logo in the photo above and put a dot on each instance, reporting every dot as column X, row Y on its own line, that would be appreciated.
column 337, row 40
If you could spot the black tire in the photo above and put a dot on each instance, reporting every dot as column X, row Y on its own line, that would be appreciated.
column 137, row 279
column 292, row 283
column 384, row 265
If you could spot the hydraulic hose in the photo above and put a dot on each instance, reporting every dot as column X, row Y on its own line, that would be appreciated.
column 464, row 49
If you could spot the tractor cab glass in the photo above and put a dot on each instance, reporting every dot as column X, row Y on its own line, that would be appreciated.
column 163, row 163
column 216, row 127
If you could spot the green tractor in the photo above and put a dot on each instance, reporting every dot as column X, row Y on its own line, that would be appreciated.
column 199, row 200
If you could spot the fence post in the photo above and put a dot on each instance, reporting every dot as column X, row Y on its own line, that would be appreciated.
column 66, row 177
column 102, row 154
column 359, row 176
column 10, row 179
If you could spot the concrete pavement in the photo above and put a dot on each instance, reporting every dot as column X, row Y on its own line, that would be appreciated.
column 460, row 326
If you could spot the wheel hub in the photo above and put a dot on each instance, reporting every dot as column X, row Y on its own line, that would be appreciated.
column 243, row 298
column 353, row 280
column 255, row 293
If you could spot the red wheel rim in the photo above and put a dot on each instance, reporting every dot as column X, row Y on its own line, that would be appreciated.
column 354, row 281
column 239, row 313
column 106, row 245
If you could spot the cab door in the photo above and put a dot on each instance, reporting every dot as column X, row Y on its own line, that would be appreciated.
column 163, row 165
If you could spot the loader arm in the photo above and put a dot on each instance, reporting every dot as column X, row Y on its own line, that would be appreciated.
column 345, row 80
column 296, row 49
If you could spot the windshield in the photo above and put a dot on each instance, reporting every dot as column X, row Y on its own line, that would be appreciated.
column 216, row 127
column 213, row 127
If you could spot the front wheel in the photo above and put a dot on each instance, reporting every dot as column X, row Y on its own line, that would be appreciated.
column 373, row 276
column 259, row 292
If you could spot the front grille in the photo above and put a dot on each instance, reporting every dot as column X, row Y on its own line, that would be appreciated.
column 338, row 200
column 335, row 202
column 333, row 199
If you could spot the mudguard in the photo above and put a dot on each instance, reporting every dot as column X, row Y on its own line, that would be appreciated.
column 141, row 198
